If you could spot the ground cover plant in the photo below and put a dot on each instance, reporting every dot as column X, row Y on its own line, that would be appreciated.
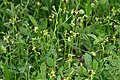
column 59, row 39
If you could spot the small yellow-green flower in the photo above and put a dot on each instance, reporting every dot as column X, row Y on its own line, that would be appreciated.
column 38, row 4
column 81, row 11
column 4, row 49
column 69, row 39
column 59, row 50
column 53, row 73
column 93, row 53
column 34, row 38
column 71, row 55
column 65, row 1
column 90, row 72
column 72, row 24
column 33, row 48
column 75, row 34
column 44, row 32
column 92, row 5
column 35, row 29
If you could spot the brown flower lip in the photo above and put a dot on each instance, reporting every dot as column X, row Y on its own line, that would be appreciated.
column 89, row 72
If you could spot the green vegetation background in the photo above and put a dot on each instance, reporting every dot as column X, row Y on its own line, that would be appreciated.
column 59, row 39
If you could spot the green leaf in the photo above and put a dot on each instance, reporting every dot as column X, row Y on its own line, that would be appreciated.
column 88, row 60
column 38, row 77
column 86, row 41
column 97, row 41
column 60, row 71
column 100, row 31
column 8, row 74
column 88, row 8
column 110, row 47
column 43, row 67
column 118, row 42
column 1, row 42
column 22, row 69
column 92, row 35
column 66, row 26
column 43, row 23
column 48, row 5
column 50, row 61
column 34, row 22
column 82, row 70
column 103, row 1
column 59, row 77
column 24, row 31
column 118, row 10
column 95, row 65
column 44, row 8
column 43, row 71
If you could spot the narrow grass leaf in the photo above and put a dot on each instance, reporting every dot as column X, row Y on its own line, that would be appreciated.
column 8, row 74
column 44, row 8
column 92, row 35
column 88, row 8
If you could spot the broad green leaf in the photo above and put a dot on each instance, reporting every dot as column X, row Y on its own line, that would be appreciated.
column 87, row 29
column 38, row 77
column 22, row 69
column 97, row 41
column 118, row 10
column 43, row 67
column 86, row 41
column 103, row 1
column 50, row 61
column 59, row 77
column 83, row 70
column 1, row 42
column 48, row 5
column 43, row 71
column 110, row 47
column 34, row 22
column 66, row 26
column 43, row 23
column 86, row 38
column 24, row 31
column 88, row 60
column 79, row 78
column 100, row 31
column 60, row 71
column 118, row 42
column 95, row 65
column 66, row 65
